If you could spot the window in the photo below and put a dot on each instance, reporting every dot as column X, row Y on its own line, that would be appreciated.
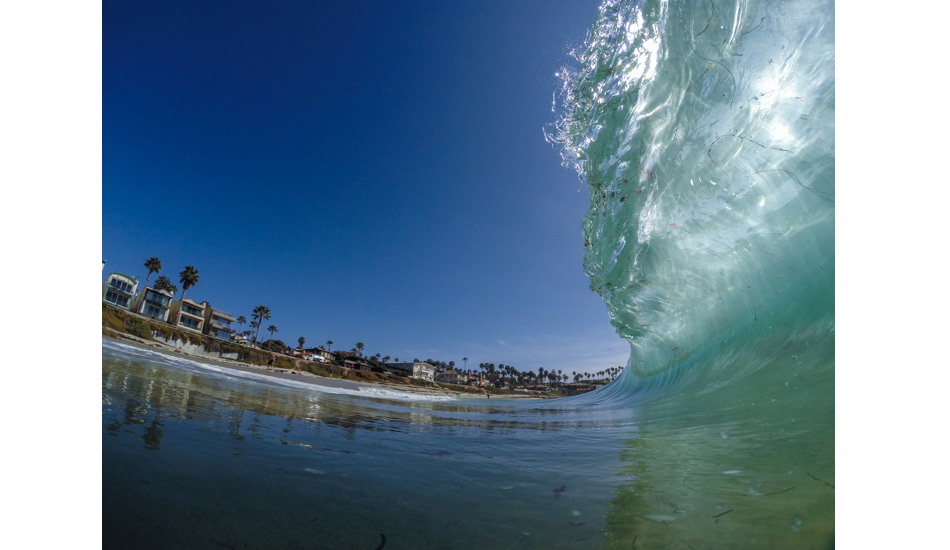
column 120, row 285
column 190, row 323
column 117, row 299
column 157, row 298
column 154, row 312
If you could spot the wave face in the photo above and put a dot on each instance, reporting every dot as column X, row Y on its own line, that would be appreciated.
column 705, row 134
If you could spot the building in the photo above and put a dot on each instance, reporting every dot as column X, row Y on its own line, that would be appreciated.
column 416, row 369
column 119, row 289
column 153, row 303
column 192, row 314
column 317, row 354
column 352, row 361
column 452, row 377
column 217, row 323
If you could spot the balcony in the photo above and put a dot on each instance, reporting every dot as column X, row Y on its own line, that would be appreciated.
column 157, row 299
column 192, row 311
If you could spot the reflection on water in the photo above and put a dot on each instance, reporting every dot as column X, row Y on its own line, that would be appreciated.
column 203, row 460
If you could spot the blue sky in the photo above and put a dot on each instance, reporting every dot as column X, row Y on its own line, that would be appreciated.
column 373, row 172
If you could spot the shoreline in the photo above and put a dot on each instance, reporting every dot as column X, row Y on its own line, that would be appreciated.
column 302, row 376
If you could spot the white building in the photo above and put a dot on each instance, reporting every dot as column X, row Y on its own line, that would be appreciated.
column 119, row 289
column 416, row 369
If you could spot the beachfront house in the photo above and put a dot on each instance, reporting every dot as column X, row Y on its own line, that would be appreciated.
column 318, row 355
column 217, row 323
column 452, row 377
column 416, row 369
column 119, row 289
column 153, row 303
column 352, row 361
column 192, row 314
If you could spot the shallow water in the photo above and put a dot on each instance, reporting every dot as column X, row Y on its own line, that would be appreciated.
column 197, row 458
column 705, row 134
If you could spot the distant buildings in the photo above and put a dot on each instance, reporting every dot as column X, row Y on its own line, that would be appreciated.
column 453, row 377
column 120, row 290
column 416, row 369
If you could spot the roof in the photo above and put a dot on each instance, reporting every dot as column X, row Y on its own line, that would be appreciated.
column 159, row 291
column 132, row 278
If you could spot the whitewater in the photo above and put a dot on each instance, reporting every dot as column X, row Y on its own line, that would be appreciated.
column 704, row 133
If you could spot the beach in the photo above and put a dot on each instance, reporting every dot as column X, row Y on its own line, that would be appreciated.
column 300, row 375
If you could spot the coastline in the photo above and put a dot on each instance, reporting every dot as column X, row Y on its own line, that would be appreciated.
column 302, row 376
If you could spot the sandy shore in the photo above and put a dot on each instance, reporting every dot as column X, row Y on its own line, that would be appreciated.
column 300, row 375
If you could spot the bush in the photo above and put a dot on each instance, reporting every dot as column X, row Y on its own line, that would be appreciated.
column 111, row 319
column 141, row 329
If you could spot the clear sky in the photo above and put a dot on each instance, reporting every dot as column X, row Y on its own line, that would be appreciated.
column 371, row 171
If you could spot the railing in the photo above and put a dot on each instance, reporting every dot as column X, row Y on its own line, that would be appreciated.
column 121, row 286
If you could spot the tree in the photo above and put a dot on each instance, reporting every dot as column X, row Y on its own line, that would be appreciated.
column 260, row 314
column 189, row 278
column 359, row 348
column 163, row 283
column 154, row 265
column 300, row 341
column 465, row 362
column 241, row 320
column 329, row 343
column 272, row 330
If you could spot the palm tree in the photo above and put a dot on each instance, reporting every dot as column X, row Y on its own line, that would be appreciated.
column 163, row 283
column 272, row 330
column 241, row 320
column 189, row 278
column 465, row 362
column 154, row 265
column 260, row 313
column 329, row 343
column 359, row 347
column 300, row 341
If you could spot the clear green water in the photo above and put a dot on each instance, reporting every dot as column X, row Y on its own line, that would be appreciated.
column 705, row 134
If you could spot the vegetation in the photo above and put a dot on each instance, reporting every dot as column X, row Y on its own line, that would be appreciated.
column 154, row 265
column 274, row 345
column 260, row 314
column 163, row 283
column 189, row 278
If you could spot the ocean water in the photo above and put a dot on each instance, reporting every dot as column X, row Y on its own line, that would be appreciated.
column 704, row 132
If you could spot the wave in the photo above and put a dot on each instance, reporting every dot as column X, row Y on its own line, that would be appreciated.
column 705, row 135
